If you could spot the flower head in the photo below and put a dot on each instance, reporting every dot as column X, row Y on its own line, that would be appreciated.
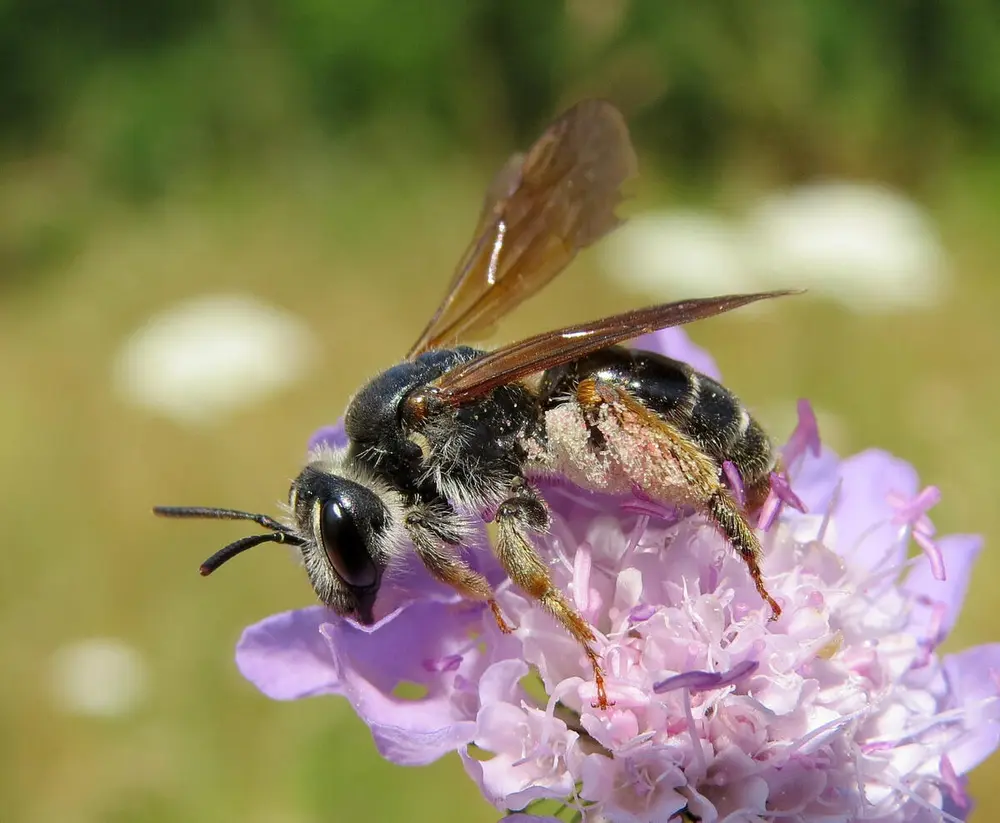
column 841, row 710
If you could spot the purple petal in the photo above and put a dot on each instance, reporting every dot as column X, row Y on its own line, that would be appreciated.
column 501, row 682
column 333, row 437
column 676, row 344
column 974, row 677
column 950, row 807
column 373, row 662
column 474, row 769
column 286, row 657
column 768, row 514
column 738, row 672
column 961, row 551
column 783, row 491
column 805, row 437
column 641, row 613
column 698, row 681
column 694, row 680
column 859, row 490
column 779, row 496
column 864, row 512
column 814, row 479
column 735, row 482
column 954, row 785
column 366, row 664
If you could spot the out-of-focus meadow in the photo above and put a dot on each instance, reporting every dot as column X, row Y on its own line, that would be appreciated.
column 328, row 159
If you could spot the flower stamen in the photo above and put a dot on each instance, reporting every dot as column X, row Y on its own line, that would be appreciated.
column 911, row 515
column 735, row 480
column 700, row 681
column 805, row 436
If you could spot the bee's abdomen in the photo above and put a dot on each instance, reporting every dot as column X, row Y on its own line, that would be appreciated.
column 663, row 385
column 706, row 411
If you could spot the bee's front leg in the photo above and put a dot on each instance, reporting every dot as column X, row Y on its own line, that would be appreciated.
column 437, row 534
column 516, row 517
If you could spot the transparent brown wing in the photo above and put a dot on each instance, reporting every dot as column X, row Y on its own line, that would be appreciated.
column 542, row 208
column 478, row 377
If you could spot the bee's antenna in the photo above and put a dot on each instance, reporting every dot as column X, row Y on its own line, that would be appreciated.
column 220, row 514
column 241, row 545
column 280, row 533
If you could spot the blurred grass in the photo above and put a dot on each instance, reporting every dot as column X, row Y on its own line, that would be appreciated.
column 361, row 252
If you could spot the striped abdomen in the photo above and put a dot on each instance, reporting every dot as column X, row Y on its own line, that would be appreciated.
column 703, row 409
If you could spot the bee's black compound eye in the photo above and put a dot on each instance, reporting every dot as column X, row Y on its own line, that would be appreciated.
column 345, row 546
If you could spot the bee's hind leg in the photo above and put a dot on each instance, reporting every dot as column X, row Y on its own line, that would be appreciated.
column 734, row 526
column 437, row 549
column 516, row 517
column 658, row 456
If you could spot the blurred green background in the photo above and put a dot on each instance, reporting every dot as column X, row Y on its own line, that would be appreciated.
column 329, row 156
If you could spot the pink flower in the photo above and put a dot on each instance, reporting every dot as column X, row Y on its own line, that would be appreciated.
column 842, row 710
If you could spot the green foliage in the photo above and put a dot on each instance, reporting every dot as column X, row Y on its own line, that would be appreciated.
column 48, row 48
column 804, row 88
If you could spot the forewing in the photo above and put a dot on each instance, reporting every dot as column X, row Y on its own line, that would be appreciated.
column 540, row 211
column 478, row 377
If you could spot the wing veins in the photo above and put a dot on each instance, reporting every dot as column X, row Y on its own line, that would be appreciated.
column 557, row 200
column 478, row 377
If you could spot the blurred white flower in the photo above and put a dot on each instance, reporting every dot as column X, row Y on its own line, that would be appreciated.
column 100, row 676
column 863, row 246
column 866, row 246
column 205, row 358
column 679, row 253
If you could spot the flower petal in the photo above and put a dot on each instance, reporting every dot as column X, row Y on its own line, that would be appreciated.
column 286, row 657
column 675, row 343
column 974, row 676
column 960, row 552
column 333, row 437
column 474, row 769
column 814, row 480
column 373, row 661
column 313, row 651
column 500, row 683
column 864, row 513
column 858, row 489
column 805, row 437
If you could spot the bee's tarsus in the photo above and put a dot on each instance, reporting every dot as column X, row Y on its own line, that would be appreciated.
column 502, row 624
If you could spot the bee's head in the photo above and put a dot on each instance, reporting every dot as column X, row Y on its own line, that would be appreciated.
column 345, row 525
column 340, row 526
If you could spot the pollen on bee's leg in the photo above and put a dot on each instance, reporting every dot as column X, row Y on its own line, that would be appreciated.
column 591, row 393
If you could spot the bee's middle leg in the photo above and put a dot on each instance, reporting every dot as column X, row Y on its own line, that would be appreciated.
column 516, row 517
column 440, row 557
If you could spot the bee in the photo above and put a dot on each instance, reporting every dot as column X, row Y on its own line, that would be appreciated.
column 453, row 432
